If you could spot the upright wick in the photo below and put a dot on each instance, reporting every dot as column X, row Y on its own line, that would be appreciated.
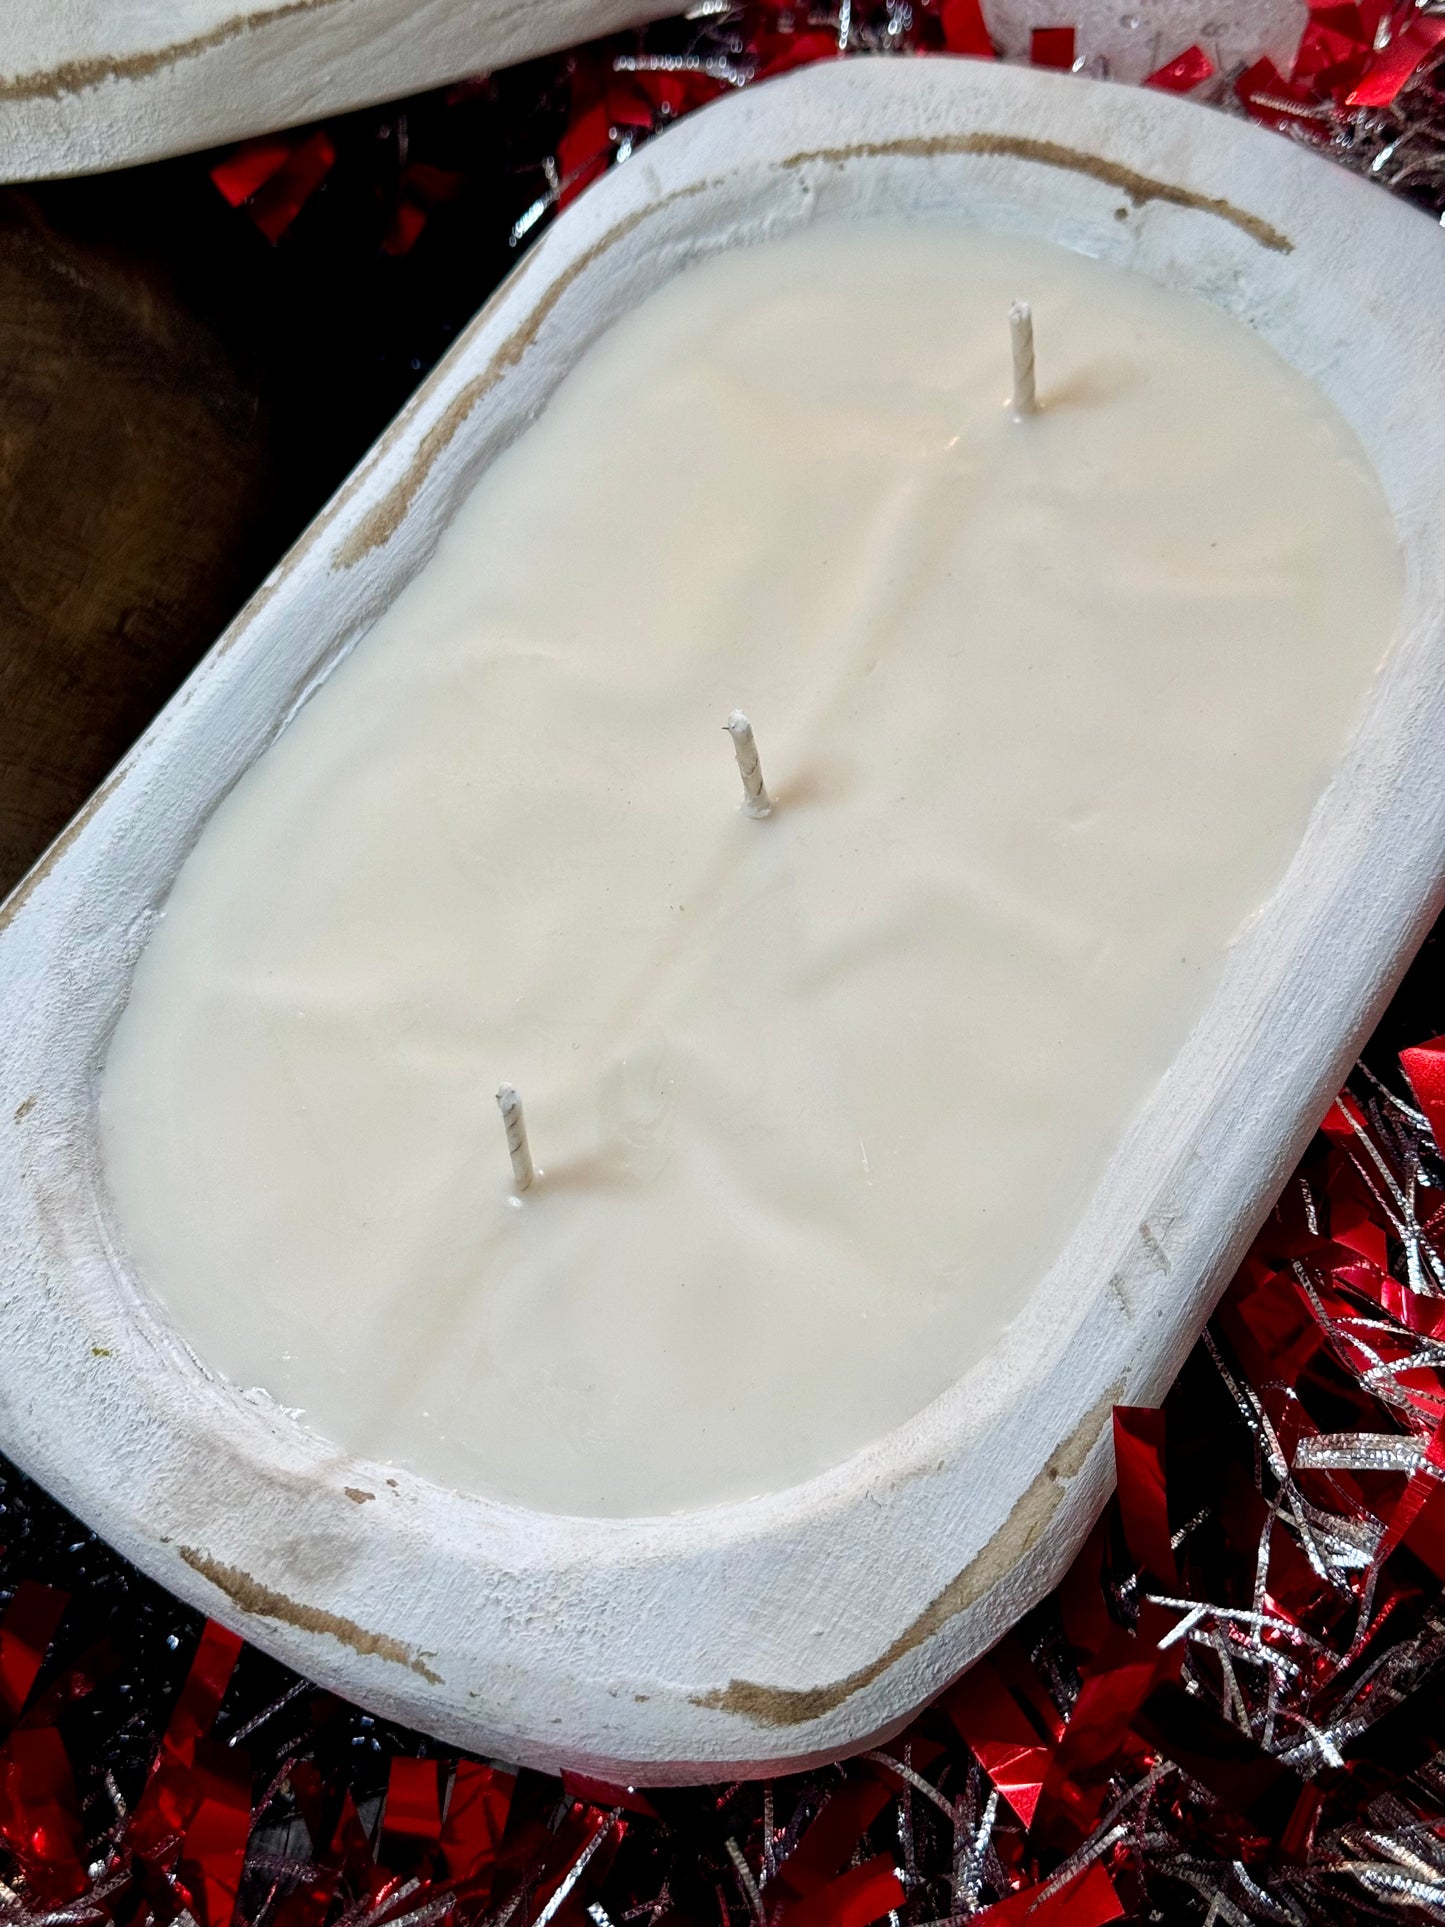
column 1021, row 328
column 756, row 801
column 511, row 1108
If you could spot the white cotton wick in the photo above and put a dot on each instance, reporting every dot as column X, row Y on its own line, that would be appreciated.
column 510, row 1106
column 1021, row 329
column 756, row 801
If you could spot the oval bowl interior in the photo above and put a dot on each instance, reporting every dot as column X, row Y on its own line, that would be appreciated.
column 799, row 1625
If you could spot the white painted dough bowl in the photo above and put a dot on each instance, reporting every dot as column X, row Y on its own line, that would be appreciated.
column 93, row 84
column 799, row 1625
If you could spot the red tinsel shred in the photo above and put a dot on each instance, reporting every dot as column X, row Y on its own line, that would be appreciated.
column 26, row 1630
column 413, row 1802
column 1089, row 1900
column 39, row 1817
column 247, row 168
column 1184, row 72
column 964, row 28
column 1350, row 57
column 851, row 1899
column 828, row 1843
column 1052, row 47
column 213, row 1847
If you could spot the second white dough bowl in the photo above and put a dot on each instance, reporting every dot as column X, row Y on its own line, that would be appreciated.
column 799, row 1625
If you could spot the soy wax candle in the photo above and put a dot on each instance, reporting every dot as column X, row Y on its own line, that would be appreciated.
column 1043, row 699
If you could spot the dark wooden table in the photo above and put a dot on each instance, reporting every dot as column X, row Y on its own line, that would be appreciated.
column 178, row 397
column 136, row 459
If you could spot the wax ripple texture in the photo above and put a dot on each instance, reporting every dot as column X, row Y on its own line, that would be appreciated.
column 1044, row 707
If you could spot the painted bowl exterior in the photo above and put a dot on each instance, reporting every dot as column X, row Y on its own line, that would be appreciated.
column 87, row 85
column 742, row 1638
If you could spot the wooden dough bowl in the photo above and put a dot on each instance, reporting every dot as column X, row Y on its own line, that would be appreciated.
column 87, row 85
column 750, row 1637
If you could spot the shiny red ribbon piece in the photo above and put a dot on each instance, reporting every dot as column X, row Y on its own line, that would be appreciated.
column 1089, row 1900
column 964, row 29
column 274, row 177
column 853, row 1899
column 1052, row 47
column 1183, row 73
column 26, row 1629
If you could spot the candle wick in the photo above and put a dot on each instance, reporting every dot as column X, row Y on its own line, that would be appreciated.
column 510, row 1106
column 1021, row 330
column 756, row 801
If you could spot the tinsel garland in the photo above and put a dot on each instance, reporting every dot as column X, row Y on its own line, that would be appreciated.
column 1232, row 1710
column 1364, row 85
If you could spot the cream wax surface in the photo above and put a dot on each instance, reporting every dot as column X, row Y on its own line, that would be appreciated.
column 1044, row 707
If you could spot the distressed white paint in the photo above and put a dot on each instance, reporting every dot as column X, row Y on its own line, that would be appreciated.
column 87, row 85
column 611, row 1644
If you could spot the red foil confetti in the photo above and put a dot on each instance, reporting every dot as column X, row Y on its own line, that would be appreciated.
column 964, row 29
column 274, row 177
column 1184, row 73
column 26, row 1631
column 1052, row 47
column 1233, row 1707
column 1364, row 83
